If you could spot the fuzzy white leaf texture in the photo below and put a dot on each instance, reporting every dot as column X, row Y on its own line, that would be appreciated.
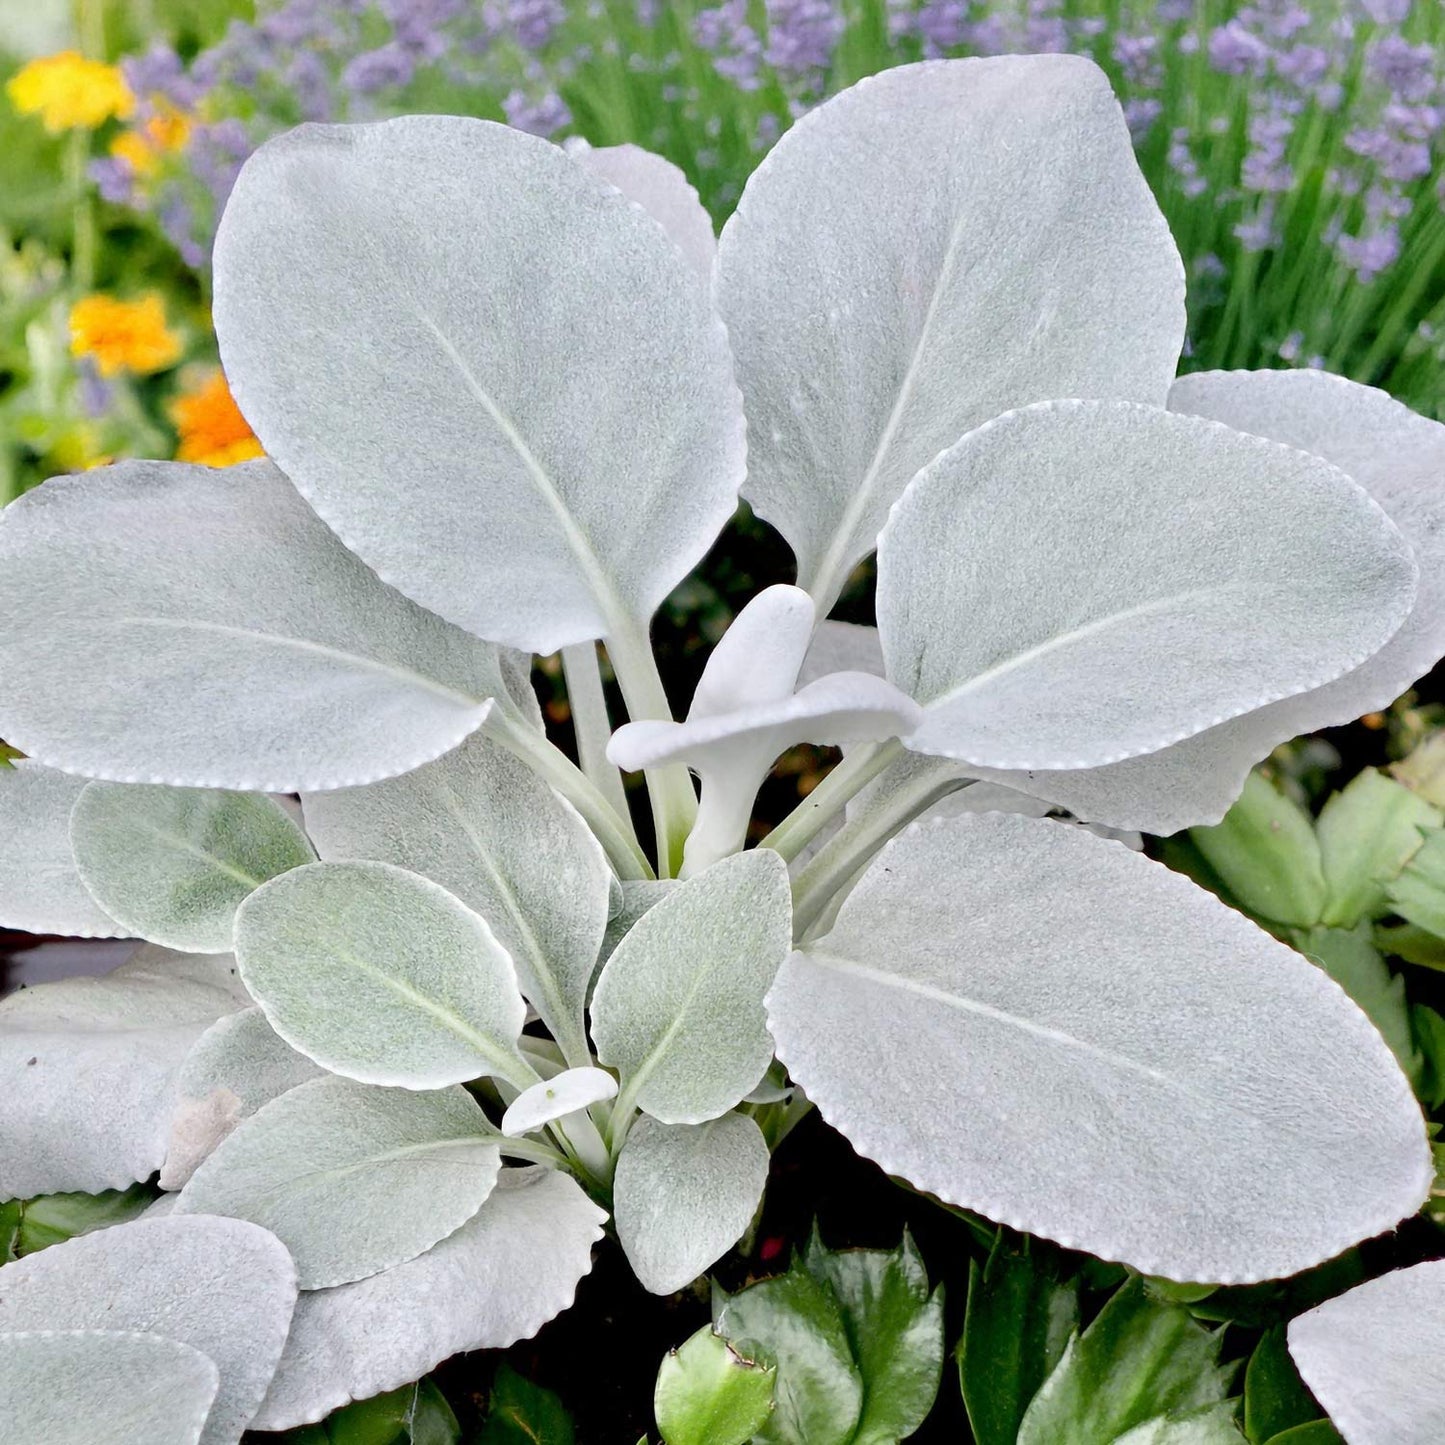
column 351, row 1178
column 222, row 1286
column 1076, row 1042
column 661, row 189
column 88, row 1069
column 201, row 627
column 1077, row 583
column 382, row 975
column 1374, row 1357
column 102, row 1387
column 40, row 889
column 498, row 1279
column 237, row 1065
column 684, row 1194
column 173, row 864
column 457, row 303
column 555, row 1098
column 938, row 244
column 678, row 1009
column 490, row 831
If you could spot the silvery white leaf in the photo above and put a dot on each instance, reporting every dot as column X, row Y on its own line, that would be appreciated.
column 638, row 896
column 661, row 189
column 88, row 1069
column 555, row 1098
column 381, row 975
column 1374, row 1357
column 498, row 1279
column 491, row 283
column 938, row 244
column 685, row 1194
column 173, row 864
column 202, row 627
column 1399, row 458
column 40, row 891
column 678, row 1009
column 1080, row 582
column 237, row 1065
column 1078, row 1043
column 222, row 1286
column 758, row 657
column 102, row 1387
column 485, row 827
column 352, row 1179
column 842, row 647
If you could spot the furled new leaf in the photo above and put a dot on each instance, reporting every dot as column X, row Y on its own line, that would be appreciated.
column 352, row 1179
column 381, row 975
column 555, row 1098
column 1116, row 1080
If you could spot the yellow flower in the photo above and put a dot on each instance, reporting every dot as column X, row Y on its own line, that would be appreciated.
column 69, row 92
column 212, row 430
column 123, row 335
column 142, row 147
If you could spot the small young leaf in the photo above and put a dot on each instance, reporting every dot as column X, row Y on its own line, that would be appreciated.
column 522, row 1413
column 678, row 1009
column 1418, row 894
column 173, row 864
column 685, row 1193
column 1368, row 832
column 352, row 1179
column 709, row 1394
column 1275, row 1398
column 555, row 1098
column 381, row 975
column 1020, row 1317
column 1137, row 1360
column 102, row 1387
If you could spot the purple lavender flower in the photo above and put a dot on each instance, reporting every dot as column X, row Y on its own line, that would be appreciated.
column 161, row 71
column 380, row 69
column 724, row 32
column 1258, row 233
column 544, row 117
column 1369, row 255
column 1408, row 71
column 96, row 393
column 115, row 179
column 802, row 35
column 1236, row 50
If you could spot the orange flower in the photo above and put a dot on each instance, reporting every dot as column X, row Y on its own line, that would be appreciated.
column 123, row 335
column 212, row 430
column 69, row 92
column 142, row 147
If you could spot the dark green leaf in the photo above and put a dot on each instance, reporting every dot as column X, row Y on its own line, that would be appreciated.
column 413, row 1415
column 1418, row 894
column 522, row 1413
column 1413, row 944
column 1428, row 1028
column 1019, row 1318
column 709, row 1394
column 51, row 1218
column 1276, row 1301
column 1275, row 1398
column 1317, row 1432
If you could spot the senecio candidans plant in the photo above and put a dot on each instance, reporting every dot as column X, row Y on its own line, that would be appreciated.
column 504, row 410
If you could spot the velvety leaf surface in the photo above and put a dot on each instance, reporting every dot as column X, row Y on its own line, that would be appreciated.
column 1211, row 602
column 40, row 889
column 88, row 1069
column 202, row 627
column 352, row 1179
column 1084, row 1045
column 173, row 864
column 498, row 1279
column 708, row 1394
column 222, row 1286
column 102, row 1387
column 485, row 827
column 540, row 508
column 678, row 1009
column 1375, row 1357
column 381, row 975
column 684, row 1194
column 936, row 245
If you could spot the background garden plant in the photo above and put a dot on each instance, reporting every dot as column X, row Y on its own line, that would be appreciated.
column 122, row 834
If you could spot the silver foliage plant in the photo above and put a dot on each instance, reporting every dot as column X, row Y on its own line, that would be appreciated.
column 507, row 407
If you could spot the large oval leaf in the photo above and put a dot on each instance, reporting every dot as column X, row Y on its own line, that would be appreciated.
column 202, row 627
column 938, row 244
column 222, row 1286
column 1375, row 1357
column 685, row 1194
column 1081, row 582
column 174, row 864
column 678, row 1009
column 488, row 829
column 521, row 343
column 102, row 1387
column 88, row 1069
column 497, row 1280
column 40, row 889
column 352, row 1179
column 1052, row 1030
column 382, row 975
